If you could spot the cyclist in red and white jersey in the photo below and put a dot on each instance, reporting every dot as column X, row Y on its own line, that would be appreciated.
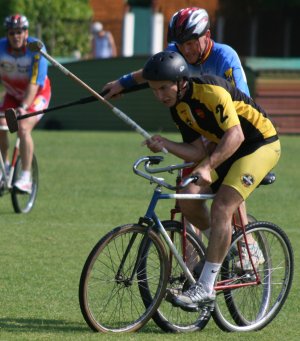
column 23, row 75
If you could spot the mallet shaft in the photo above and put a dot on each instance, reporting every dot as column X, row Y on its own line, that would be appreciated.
column 115, row 110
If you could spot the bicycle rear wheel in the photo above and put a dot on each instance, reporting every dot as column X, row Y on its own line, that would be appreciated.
column 168, row 317
column 109, row 297
column 23, row 202
column 253, row 307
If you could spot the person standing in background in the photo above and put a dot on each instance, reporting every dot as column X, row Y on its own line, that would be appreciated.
column 103, row 43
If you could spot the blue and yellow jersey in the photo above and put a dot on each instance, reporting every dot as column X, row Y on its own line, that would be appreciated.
column 212, row 105
column 220, row 60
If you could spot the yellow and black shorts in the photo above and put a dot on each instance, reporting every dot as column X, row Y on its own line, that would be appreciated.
column 246, row 168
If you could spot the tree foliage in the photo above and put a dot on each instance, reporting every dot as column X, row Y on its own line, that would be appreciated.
column 63, row 25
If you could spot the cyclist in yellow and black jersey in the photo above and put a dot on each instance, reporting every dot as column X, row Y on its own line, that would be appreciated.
column 247, row 148
column 211, row 105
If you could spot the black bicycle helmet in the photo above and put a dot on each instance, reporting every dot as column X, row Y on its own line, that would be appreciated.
column 16, row 21
column 166, row 65
column 186, row 24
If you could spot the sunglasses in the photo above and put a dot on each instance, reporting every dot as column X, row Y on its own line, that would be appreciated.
column 17, row 32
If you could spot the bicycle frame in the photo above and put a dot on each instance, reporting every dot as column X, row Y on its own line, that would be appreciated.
column 151, row 220
column 135, row 273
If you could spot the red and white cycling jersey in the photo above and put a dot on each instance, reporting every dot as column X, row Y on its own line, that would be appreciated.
column 16, row 72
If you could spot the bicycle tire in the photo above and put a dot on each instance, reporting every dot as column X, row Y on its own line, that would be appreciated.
column 168, row 317
column 239, row 317
column 22, row 202
column 252, row 308
column 109, row 301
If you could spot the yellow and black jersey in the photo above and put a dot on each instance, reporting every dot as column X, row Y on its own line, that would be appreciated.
column 211, row 106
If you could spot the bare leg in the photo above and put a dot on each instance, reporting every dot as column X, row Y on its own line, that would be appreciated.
column 195, row 211
column 4, row 144
column 224, row 205
column 26, row 142
column 244, row 221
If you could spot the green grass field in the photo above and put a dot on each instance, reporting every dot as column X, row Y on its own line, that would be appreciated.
column 87, row 187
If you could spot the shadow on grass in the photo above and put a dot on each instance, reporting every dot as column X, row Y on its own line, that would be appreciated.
column 20, row 325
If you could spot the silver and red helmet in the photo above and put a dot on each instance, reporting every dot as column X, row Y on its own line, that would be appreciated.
column 188, row 23
column 16, row 21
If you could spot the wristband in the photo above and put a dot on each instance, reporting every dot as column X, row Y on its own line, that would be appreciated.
column 127, row 81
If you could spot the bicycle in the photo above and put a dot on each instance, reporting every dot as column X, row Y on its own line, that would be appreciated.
column 22, row 202
column 129, row 273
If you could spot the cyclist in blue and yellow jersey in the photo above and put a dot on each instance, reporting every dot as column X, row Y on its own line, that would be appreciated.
column 189, row 34
column 23, row 75
column 247, row 148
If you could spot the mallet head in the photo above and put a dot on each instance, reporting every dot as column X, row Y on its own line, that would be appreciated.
column 35, row 46
column 11, row 120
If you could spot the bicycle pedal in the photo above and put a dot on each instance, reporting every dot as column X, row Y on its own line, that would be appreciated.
column 210, row 308
column 187, row 309
column 171, row 293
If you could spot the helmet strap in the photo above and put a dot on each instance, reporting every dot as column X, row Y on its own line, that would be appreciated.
column 179, row 91
column 202, row 54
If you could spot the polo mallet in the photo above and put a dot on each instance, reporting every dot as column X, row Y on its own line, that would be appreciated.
column 12, row 118
column 37, row 46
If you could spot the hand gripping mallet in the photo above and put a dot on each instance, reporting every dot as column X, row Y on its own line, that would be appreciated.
column 37, row 46
column 12, row 117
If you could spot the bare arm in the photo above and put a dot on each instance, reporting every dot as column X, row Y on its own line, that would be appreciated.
column 190, row 152
column 228, row 145
column 30, row 94
column 115, row 87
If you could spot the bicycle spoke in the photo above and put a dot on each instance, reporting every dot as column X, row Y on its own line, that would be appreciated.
column 110, row 297
column 253, row 306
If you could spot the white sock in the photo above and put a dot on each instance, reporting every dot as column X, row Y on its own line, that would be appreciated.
column 208, row 276
column 25, row 175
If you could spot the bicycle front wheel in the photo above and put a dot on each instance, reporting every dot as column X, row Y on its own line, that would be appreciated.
column 249, row 308
column 109, row 295
column 168, row 317
column 23, row 202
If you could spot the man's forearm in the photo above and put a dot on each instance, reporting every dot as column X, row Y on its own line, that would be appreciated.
column 30, row 94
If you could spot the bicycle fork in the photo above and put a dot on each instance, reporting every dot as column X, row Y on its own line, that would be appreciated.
column 150, row 221
column 151, row 218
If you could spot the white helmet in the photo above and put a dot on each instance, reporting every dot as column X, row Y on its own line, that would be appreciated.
column 188, row 23
column 97, row 27
column 16, row 21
